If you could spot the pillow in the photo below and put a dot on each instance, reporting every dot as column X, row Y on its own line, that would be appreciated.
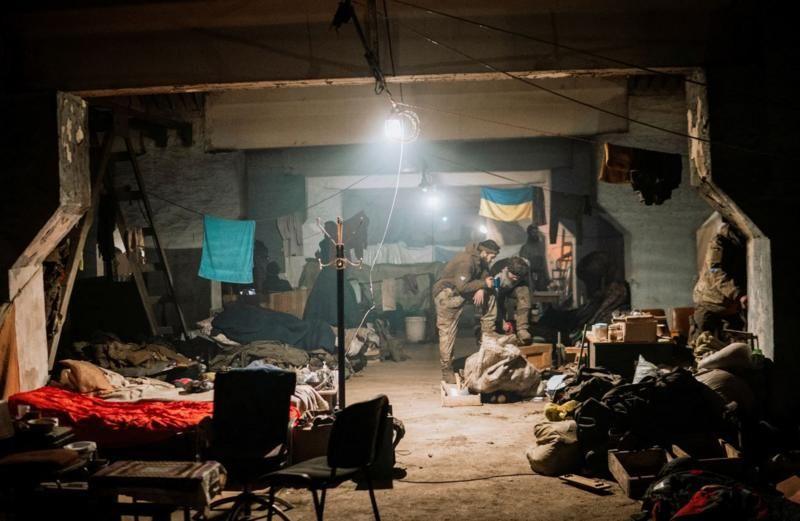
column 84, row 377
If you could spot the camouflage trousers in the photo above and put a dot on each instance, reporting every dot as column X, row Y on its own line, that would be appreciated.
column 449, row 306
column 515, row 306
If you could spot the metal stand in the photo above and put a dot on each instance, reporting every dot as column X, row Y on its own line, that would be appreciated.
column 340, row 263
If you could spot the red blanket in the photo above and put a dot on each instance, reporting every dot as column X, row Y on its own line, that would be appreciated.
column 118, row 424
column 115, row 424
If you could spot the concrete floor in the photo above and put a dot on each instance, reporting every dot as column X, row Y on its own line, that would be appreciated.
column 458, row 444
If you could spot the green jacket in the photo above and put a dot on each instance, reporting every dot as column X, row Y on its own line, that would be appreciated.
column 722, row 281
column 465, row 273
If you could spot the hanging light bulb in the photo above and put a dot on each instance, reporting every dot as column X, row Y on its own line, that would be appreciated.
column 402, row 124
column 393, row 128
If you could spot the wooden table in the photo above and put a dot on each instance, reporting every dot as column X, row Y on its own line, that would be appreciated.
column 621, row 357
column 546, row 297
column 165, row 486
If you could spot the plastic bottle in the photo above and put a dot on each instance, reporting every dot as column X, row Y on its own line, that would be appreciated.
column 757, row 357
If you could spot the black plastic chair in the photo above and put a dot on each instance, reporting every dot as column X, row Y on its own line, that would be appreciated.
column 250, row 431
column 352, row 449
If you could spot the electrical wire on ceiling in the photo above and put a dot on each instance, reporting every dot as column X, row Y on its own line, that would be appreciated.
column 552, row 43
column 403, row 123
column 576, row 50
column 391, row 49
column 571, row 99
column 344, row 14
column 502, row 123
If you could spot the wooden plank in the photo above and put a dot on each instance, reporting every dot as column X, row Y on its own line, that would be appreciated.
column 369, row 80
column 592, row 485
column 76, row 255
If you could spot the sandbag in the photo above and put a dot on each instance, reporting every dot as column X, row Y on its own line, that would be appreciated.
column 730, row 387
column 500, row 368
column 557, row 450
column 730, row 358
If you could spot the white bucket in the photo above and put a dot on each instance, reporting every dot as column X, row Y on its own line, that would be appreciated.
column 415, row 329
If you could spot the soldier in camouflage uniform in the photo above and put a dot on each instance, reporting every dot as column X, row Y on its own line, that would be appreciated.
column 465, row 276
column 720, row 293
column 509, row 306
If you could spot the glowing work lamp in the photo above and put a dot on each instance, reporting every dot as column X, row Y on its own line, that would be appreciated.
column 402, row 124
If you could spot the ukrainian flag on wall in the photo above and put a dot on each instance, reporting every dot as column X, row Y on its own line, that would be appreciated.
column 514, row 204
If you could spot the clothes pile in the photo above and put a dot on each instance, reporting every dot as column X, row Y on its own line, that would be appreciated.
column 131, row 359
column 269, row 351
column 682, row 492
column 659, row 410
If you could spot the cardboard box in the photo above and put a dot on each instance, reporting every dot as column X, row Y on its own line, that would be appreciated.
column 641, row 330
column 292, row 302
column 539, row 356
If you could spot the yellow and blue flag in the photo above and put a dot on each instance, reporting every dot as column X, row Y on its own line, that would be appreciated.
column 508, row 205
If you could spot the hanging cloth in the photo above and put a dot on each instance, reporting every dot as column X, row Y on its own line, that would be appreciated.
column 514, row 204
column 539, row 215
column 567, row 206
column 291, row 229
column 653, row 174
column 227, row 250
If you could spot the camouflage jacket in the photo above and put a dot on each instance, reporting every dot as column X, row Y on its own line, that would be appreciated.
column 465, row 273
column 722, row 280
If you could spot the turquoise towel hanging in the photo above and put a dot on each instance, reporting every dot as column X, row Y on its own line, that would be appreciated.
column 227, row 250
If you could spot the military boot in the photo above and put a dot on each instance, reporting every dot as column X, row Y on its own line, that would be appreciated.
column 524, row 337
column 448, row 375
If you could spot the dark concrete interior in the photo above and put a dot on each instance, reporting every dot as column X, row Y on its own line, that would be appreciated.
column 261, row 110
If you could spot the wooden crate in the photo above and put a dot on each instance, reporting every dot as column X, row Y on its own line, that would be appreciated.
column 636, row 470
column 292, row 302
column 712, row 455
column 539, row 356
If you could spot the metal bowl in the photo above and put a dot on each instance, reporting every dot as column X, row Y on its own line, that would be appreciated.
column 42, row 425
